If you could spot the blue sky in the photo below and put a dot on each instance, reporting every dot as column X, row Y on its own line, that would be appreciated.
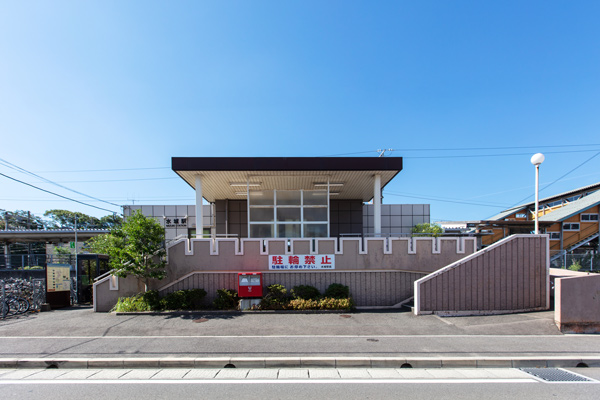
column 99, row 95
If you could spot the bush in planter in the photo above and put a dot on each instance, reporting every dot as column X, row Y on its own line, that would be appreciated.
column 305, row 292
column 275, row 299
column 226, row 299
column 152, row 299
column 183, row 300
column 337, row 291
column 326, row 303
column 131, row 304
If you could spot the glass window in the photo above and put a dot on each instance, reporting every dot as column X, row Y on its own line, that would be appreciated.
column 261, row 231
column 571, row 227
column 589, row 217
column 289, row 230
column 288, row 214
column 261, row 214
column 315, row 198
column 315, row 230
column 315, row 214
column 288, row 198
column 261, row 198
column 554, row 235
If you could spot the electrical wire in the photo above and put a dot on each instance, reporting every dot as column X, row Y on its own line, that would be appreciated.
column 56, row 194
column 17, row 168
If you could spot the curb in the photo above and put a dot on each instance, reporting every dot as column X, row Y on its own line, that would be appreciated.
column 302, row 362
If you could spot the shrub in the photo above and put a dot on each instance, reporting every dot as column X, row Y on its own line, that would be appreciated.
column 275, row 299
column 152, row 298
column 305, row 292
column 226, row 299
column 131, row 304
column 337, row 291
column 575, row 266
column 326, row 303
column 183, row 300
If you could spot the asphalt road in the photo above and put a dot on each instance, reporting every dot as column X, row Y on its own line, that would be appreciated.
column 80, row 332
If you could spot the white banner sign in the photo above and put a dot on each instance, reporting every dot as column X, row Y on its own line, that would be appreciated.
column 301, row 262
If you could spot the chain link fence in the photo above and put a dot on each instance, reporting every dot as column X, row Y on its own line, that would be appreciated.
column 579, row 262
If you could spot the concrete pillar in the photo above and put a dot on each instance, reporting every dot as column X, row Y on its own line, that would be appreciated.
column 377, row 205
column 199, row 216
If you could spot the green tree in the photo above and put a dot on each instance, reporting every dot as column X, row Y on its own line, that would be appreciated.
column 20, row 219
column 427, row 229
column 135, row 248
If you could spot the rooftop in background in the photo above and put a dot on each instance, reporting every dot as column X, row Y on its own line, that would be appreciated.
column 585, row 190
column 226, row 177
column 50, row 235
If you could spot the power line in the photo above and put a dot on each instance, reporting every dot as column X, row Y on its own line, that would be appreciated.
column 444, row 200
column 498, row 155
column 55, row 194
column 16, row 167
column 556, row 180
column 106, row 170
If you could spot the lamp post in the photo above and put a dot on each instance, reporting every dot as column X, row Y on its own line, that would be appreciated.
column 536, row 160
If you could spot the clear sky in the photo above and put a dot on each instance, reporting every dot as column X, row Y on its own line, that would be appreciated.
column 99, row 95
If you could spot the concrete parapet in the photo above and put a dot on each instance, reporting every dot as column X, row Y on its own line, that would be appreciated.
column 577, row 304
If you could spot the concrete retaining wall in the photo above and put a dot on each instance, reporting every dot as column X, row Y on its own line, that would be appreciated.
column 510, row 276
column 367, row 288
column 577, row 304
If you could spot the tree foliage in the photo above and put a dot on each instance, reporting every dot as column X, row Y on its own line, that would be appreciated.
column 427, row 229
column 66, row 219
column 135, row 248
column 20, row 219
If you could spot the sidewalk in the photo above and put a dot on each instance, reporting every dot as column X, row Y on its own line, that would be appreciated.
column 80, row 338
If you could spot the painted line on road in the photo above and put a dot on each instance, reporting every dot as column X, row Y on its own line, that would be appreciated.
column 293, row 336
column 255, row 381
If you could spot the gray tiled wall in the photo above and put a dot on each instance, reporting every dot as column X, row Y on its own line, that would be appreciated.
column 396, row 218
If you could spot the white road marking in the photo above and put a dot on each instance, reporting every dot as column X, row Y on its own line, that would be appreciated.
column 292, row 336
column 260, row 381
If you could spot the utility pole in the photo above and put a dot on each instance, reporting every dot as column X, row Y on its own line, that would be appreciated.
column 76, row 266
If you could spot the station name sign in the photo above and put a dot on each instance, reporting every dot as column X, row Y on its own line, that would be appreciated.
column 297, row 262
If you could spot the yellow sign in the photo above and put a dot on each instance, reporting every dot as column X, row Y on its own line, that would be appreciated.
column 58, row 277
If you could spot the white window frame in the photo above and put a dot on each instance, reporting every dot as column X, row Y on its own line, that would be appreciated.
column 568, row 226
column 590, row 217
column 554, row 235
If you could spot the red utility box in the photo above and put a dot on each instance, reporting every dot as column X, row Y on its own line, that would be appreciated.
column 250, row 284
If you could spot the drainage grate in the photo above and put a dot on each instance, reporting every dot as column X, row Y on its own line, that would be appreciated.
column 556, row 375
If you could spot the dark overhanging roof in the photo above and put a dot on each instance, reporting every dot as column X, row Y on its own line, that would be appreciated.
column 286, row 173
column 286, row 164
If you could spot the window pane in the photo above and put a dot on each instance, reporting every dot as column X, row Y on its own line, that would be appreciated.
column 261, row 198
column 261, row 231
column 315, row 198
column 315, row 230
column 315, row 214
column 288, row 198
column 288, row 214
column 261, row 214
column 288, row 231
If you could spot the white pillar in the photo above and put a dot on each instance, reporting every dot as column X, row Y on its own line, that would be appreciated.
column 377, row 205
column 537, row 198
column 199, row 219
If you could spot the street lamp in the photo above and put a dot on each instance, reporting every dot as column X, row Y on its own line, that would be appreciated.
column 536, row 160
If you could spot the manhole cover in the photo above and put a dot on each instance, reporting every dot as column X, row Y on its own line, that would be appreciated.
column 200, row 320
column 372, row 340
column 346, row 316
column 556, row 375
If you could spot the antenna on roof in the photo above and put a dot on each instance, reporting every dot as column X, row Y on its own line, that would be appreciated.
column 382, row 152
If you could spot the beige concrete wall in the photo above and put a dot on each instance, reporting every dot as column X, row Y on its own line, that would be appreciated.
column 510, row 276
column 577, row 304
column 105, row 298
column 367, row 288
column 351, row 254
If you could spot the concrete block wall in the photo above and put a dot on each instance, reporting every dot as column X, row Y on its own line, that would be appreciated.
column 510, row 276
column 577, row 304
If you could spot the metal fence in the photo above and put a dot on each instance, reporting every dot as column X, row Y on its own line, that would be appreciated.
column 585, row 262
column 30, row 261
